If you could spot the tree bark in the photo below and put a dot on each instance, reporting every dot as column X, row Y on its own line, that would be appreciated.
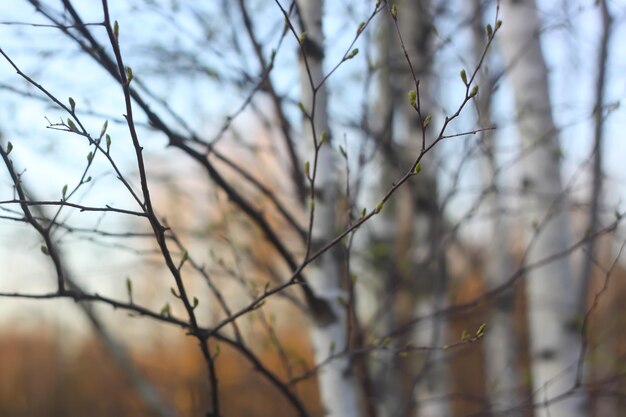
column 501, row 341
column 551, row 289
column 337, row 382
column 427, row 276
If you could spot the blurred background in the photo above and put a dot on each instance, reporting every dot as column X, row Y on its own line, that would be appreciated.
column 455, row 248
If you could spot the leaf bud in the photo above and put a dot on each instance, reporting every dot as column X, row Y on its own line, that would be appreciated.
column 427, row 121
column 413, row 98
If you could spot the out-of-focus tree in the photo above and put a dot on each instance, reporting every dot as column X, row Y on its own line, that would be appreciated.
column 265, row 163
column 502, row 348
column 555, row 336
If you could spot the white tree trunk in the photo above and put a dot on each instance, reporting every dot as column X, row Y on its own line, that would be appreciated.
column 501, row 342
column 338, row 386
column 385, row 233
column 551, row 289
column 431, row 393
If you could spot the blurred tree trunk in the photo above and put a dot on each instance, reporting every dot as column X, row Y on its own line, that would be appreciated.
column 424, row 266
column 552, row 289
column 501, row 341
column 403, row 244
column 337, row 382
column 380, row 240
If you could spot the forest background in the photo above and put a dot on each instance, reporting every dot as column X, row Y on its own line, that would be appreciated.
column 355, row 208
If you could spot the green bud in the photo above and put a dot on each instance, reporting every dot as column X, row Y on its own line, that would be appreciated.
column 72, row 125
column 417, row 169
column 474, row 91
column 306, row 169
column 301, row 107
column 302, row 38
column 129, row 287
column 104, row 128
column 489, row 30
column 116, row 30
column 44, row 250
column 195, row 302
column 64, row 191
column 108, row 141
column 323, row 138
column 129, row 74
column 72, row 104
column 427, row 120
column 90, row 157
column 379, row 207
column 498, row 24
column 9, row 148
column 360, row 28
column 464, row 76
column 413, row 98
column 394, row 11
column 353, row 53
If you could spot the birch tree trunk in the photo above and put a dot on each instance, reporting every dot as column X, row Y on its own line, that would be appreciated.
column 427, row 276
column 501, row 342
column 377, row 239
column 551, row 289
column 405, row 236
column 380, row 242
column 337, row 383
